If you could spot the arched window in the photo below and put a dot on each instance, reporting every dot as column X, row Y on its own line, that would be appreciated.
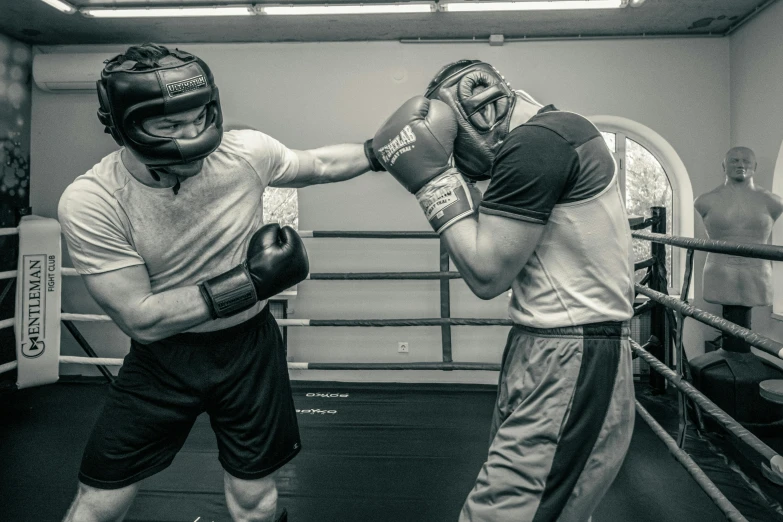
column 777, row 239
column 644, row 184
column 652, row 174
column 281, row 205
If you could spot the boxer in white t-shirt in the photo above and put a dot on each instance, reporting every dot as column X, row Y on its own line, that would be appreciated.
column 168, row 237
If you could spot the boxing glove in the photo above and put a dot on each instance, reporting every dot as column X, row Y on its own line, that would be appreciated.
column 276, row 260
column 415, row 145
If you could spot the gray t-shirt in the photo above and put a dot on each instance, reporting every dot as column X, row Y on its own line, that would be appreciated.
column 110, row 220
column 556, row 170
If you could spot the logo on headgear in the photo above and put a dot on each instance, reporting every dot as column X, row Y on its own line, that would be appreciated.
column 483, row 102
column 183, row 86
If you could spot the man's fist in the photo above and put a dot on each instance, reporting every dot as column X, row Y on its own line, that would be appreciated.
column 276, row 260
column 415, row 144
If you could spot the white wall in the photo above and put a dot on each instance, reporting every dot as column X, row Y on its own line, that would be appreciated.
column 757, row 121
column 308, row 95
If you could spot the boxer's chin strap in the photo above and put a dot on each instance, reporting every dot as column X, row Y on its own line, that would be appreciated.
column 156, row 177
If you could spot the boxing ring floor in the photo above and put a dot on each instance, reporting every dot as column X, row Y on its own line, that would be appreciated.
column 371, row 452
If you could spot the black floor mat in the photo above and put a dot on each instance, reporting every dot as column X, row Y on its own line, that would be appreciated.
column 371, row 452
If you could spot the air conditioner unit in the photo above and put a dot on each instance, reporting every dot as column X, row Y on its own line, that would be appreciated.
column 68, row 72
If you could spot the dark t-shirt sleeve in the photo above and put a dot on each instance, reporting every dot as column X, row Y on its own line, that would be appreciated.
column 532, row 171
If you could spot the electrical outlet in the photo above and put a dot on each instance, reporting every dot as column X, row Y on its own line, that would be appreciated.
column 402, row 347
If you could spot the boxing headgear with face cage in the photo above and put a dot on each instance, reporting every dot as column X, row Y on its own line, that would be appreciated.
column 179, row 82
column 483, row 102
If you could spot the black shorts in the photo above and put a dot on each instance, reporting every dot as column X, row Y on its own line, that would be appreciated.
column 238, row 375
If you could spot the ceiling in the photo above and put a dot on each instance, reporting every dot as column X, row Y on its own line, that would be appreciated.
column 35, row 23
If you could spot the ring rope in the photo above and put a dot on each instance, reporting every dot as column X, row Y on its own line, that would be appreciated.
column 361, row 234
column 644, row 308
column 326, row 276
column 93, row 361
column 84, row 317
column 756, row 250
column 7, row 367
column 360, row 276
column 680, row 357
column 759, row 341
column 732, row 513
column 440, row 321
column 647, row 263
column 472, row 366
column 7, row 323
column 9, row 231
column 775, row 461
column 644, row 224
column 11, row 274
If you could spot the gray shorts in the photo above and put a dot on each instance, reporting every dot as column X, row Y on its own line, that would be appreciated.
column 562, row 425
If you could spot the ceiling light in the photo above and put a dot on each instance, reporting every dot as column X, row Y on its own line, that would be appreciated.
column 154, row 12
column 65, row 7
column 342, row 9
column 547, row 5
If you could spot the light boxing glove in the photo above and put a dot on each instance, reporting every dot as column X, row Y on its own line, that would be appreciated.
column 415, row 145
column 276, row 260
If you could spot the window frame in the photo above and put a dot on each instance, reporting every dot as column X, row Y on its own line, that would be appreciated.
column 682, row 190
column 777, row 239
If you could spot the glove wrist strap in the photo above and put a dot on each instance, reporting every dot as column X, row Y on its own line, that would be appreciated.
column 375, row 164
column 229, row 293
column 447, row 199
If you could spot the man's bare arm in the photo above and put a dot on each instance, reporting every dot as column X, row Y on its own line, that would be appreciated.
column 126, row 297
column 490, row 252
column 328, row 165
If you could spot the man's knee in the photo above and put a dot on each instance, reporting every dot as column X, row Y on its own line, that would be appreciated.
column 252, row 497
column 99, row 505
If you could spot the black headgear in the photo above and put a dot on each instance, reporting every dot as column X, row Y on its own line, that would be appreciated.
column 483, row 102
column 178, row 83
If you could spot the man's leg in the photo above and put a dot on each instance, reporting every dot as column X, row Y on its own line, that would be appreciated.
column 251, row 500
column 253, row 416
column 609, row 450
column 143, row 424
column 536, row 385
column 556, row 392
column 101, row 505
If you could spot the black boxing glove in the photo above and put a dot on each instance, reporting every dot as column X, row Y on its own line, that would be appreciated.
column 375, row 164
column 276, row 260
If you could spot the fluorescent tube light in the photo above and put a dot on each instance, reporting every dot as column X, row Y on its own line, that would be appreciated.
column 548, row 5
column 345, row 9
column 155, row 12
column 64, row 7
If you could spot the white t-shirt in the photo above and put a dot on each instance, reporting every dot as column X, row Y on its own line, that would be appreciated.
column 111, row 220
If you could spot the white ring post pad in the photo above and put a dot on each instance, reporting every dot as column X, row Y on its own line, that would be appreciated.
column 38, row 293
